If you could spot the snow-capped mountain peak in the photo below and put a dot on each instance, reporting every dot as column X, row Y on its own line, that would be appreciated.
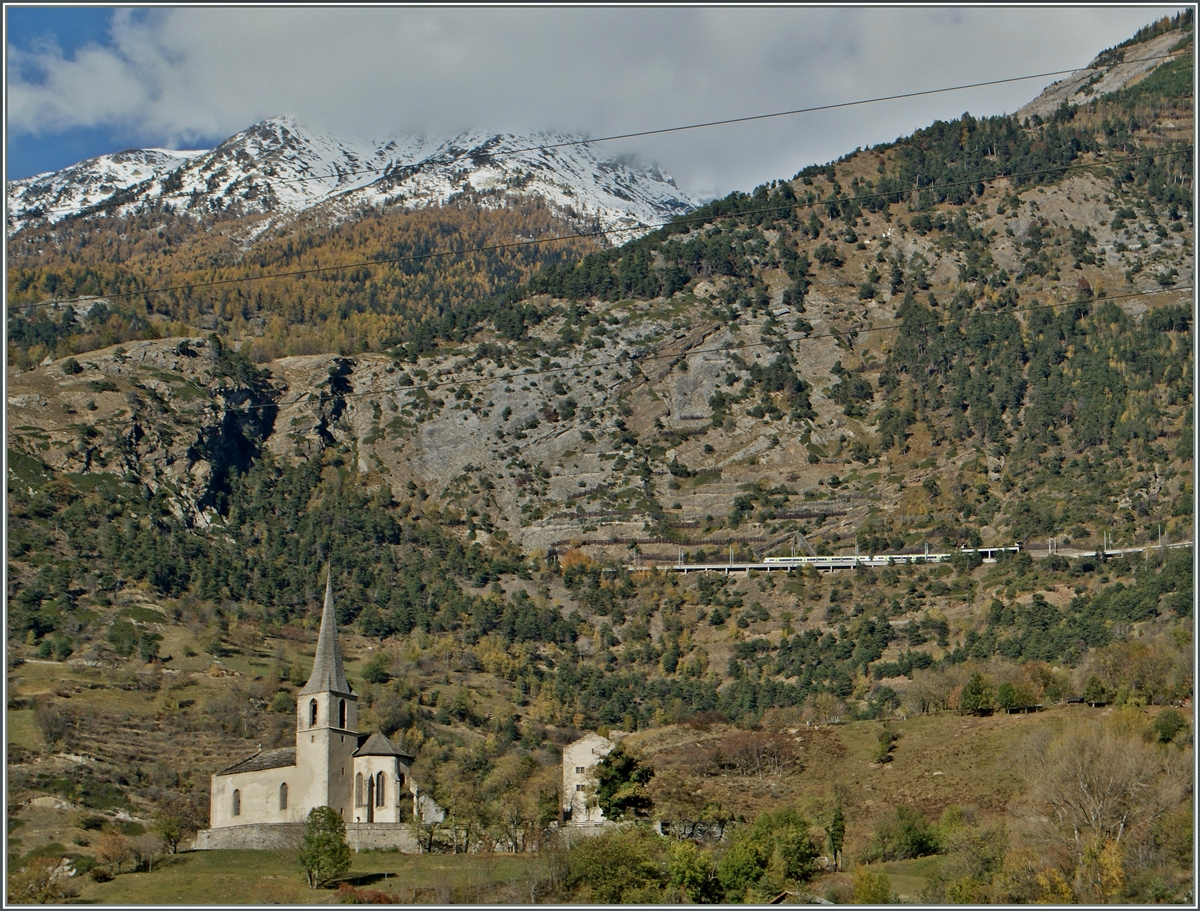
column 280, row 166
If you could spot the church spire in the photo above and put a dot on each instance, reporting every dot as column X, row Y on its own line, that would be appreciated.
column 327, row 673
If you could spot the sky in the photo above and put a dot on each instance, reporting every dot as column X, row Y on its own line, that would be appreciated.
column 83, row 81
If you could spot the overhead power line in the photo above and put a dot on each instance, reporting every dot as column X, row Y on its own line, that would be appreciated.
column 830, row 107
column 339, row 175
column 463, row 251
column 722, row 349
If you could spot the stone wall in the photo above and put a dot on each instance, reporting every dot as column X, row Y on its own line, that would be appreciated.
column 260, row 837
column 360, row 837
column 365, row 836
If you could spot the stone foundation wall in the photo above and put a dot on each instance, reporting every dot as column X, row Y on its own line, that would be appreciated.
column 360, row 836
column 363, row 836
column 261, row 837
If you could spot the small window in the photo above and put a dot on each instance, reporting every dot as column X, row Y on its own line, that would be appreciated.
column 237, row 802
column 379, row 790
column 283, row 796
column 312, row 713
column 358, row 790
column 578, row 770
column 342, row 715
column 578, row 787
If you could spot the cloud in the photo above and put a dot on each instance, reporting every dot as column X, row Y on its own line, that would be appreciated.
column 188, row 74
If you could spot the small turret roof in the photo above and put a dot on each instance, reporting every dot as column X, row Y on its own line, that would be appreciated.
column 328, row 675
column 378, row 745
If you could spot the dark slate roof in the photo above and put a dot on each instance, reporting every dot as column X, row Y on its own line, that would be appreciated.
column 378, row 745
column 269, row 759
column 327, row 673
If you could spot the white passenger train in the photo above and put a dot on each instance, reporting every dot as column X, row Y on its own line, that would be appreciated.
column 845, row 561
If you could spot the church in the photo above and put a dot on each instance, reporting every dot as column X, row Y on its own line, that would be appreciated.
column 264, row 800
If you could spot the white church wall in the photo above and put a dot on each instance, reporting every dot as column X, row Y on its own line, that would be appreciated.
column 397, row 803
column 259, row 797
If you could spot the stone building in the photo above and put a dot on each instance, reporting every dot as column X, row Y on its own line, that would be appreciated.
column 579, row 759
column 263, row 800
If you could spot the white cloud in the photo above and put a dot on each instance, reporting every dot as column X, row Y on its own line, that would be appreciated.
column 188, row 73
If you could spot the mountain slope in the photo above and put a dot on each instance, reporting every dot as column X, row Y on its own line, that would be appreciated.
column 501, row 490
column 740, row 376
column 278, row 166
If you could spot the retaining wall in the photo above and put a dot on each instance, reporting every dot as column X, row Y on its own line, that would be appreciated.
column 359, row 836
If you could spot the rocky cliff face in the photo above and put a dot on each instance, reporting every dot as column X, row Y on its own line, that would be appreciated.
column 760, row 397
column 543, row 449
column 1110, row 72
column 664, row 419
column 165, row 413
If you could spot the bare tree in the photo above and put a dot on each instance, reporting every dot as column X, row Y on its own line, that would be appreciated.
column 759, row 753
column 1099, row 785
column 113, row 850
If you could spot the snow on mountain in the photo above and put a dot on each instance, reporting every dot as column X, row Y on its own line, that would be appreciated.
column 57, row 194
column 278, row 166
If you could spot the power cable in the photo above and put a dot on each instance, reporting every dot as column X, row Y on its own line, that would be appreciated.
column 598, row 233
column 210, row 408
column 835, row 106
column 339, row 175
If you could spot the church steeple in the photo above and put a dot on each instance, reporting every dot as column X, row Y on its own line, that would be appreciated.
column 327, row 673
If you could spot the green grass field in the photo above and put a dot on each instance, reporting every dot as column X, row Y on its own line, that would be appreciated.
column 262, row 877
column 22, row 730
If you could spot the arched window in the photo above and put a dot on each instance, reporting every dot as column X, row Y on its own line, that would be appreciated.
column 237, row 803
column 379, row 779
column 283, row 796
column 358, row 790
column 312, row 712
column 342, row 714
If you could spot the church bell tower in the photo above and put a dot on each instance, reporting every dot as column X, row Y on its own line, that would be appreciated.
column 327, row 724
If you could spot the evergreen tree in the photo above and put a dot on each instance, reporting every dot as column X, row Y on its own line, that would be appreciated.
column 836, row 832
column 621, row 784
column 978, row 697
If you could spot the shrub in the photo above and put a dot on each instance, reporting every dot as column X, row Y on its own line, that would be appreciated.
column 772, row 855
column 902, row 835
column 872, row 888
column 618, row 866
column 43, row 880
column 348, row 895
column 376, row 670
column 1168, row 723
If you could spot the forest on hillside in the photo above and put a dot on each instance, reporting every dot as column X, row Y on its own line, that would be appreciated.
column 1049, row 400
column 421, row 298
